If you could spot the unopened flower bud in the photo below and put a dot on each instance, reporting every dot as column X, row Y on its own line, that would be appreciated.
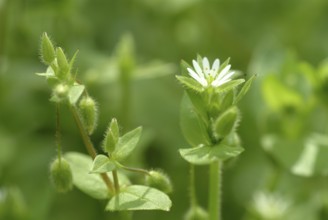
column 61, row 175
column 61, row 91
column 159, row 180
column 89, row 113
column 47, row 50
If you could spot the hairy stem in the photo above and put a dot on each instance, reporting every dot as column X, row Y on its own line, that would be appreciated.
column 192, row 190
column 215, row 191
column 116, row 182
column 58, row 133
column 89, row 146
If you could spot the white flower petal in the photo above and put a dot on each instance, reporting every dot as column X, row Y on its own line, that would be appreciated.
column 197, row 68
column 215, row 66
column 223, row 72
column 198, row 78
column 206, row 66
column 228, row 75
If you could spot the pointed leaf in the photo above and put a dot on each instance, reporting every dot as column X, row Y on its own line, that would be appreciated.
column 111, row 136
column 75, row 93
column 203, row 155
column 190, row 83
column 126, row 144
column 47, row 49
column 193, row 128
column 245, row 89
column 137, row 197
column 90, row 183
column 102, row 164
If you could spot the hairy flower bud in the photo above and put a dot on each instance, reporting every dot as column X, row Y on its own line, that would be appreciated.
column 89, row 113
column 159, row 180
column 61, row 175
column 47, row 50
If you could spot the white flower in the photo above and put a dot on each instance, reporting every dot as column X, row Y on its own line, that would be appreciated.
column 270, row 206
column 210, row 76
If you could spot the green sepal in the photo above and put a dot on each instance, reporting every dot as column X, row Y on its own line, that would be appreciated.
column 102, row 164
column 63, row 66
column 126, row 144
column 229, row 85
column 190, row 83
column 75, row 93
column 137, row 197
column 245, row 89
column 203, row 155
column 226, row 122
column 193, row 127
column 47, row 50
column 184, row 68
column 227, row 101
column 198, row 104
column 159, row 180
column 223, row 65
column 111, row 136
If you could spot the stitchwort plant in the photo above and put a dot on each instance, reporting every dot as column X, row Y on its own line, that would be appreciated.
column 100, row 176
column 209, row 120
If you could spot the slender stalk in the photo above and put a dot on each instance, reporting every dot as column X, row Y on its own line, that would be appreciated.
column 192, row 190
column 58, row 133
column 116, row 182
column 89, row 146
column 132, row 169
column 215, row 191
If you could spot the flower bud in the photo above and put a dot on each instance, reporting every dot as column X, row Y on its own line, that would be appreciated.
column 47, row 50
column 159, row 180
column 112, row 136
column 61, row 175
column 196, row 213
column 226, row 122
column 60, row 92
column 89, row 113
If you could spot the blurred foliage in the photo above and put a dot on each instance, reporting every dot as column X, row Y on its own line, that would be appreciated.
column 285, row 110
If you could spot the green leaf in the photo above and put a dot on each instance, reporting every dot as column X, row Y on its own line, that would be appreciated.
column 193, row 128
column 224, row 64
column 89, row 183
column 245, row 89
column 226, row 122
column 102, row 164
column 190, row 83
column 62, row 60
column 126, row 144
column 198, row 104
column 49, row 73
column 229, row 85
column 75, row 93
column 203, row 155
column 137, row 197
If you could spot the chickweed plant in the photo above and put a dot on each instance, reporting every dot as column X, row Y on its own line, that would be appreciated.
column 100, row 175
column 209, row 120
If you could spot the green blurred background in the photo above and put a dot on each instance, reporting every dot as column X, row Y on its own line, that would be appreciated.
column 261, row 37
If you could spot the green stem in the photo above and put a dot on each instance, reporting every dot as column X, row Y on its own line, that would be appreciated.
column 132, row 169
column 192, row 190
column 126, row 99
column 58, row 133
column 215, row 191
column 116, row 182
column 89, row 146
